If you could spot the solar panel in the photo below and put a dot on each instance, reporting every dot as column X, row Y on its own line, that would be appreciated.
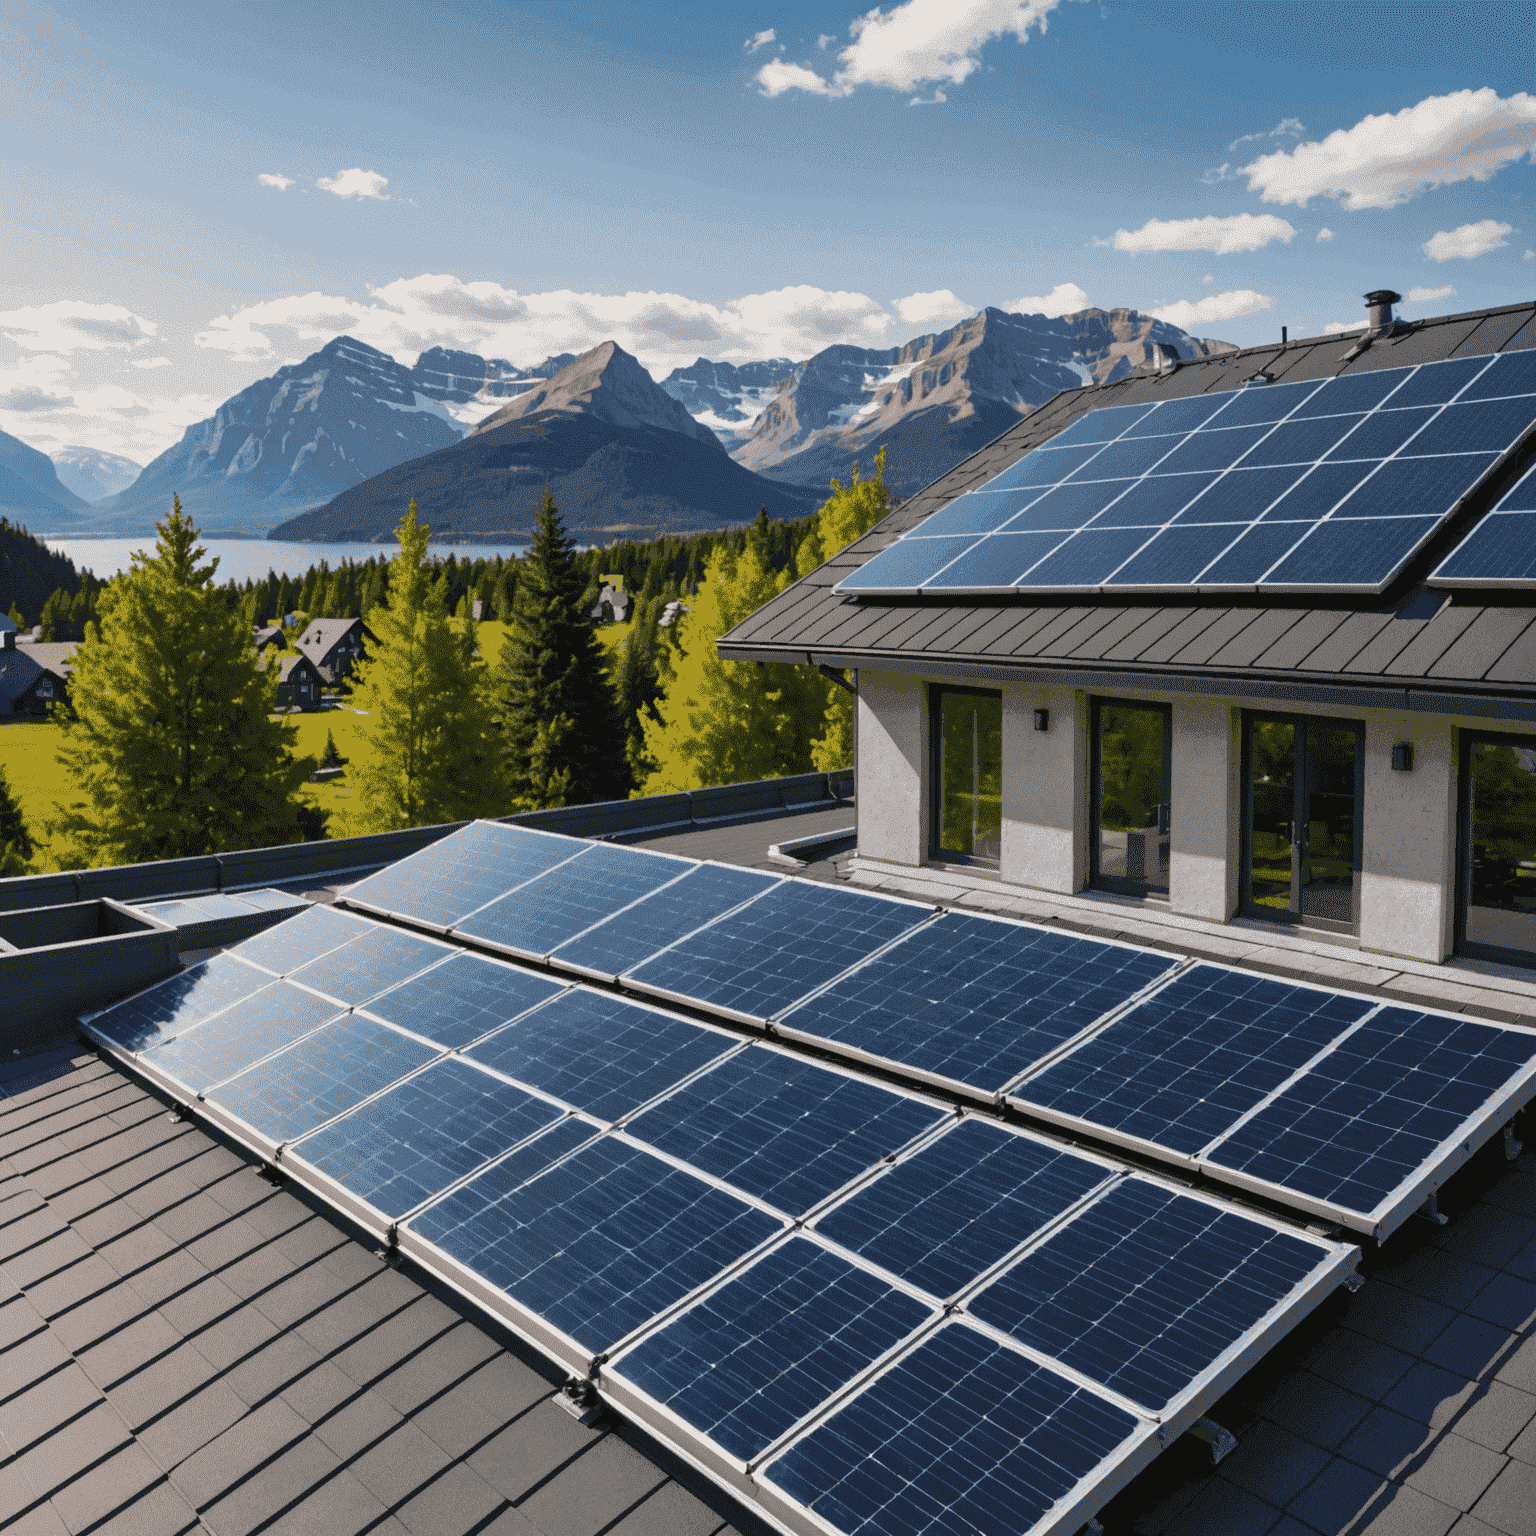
column 230, row 1041
column 961, row 1434
column 749, row 1360
column 945, row 1214
column 319, row 1077
column 782, row 1128
column 379, row 958
column 445, row 882
column 465, row 997
column 596, row 1246
column 1184, row 1064
column 1330, row 484
column 762, row 959
column 1501, row 550
column 174, row 1005
column 285, row 946
column 969, row 1002
column 555, row 907
column 622, row 941
column 600, row 1054
column 1146, row 1289
column 410, row 1143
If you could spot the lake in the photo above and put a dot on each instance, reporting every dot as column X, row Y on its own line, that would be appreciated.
column 250, row 559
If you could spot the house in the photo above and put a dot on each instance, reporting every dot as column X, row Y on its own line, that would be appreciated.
column 299, row 682
column 335, row 646
column 1316, row 723
column 32, row 677
column 612, row 603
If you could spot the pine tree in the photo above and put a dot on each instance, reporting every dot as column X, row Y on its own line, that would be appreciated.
column 563, row 736
column 331, row 757
column 170, row 744
column 433, row 752
column 16, row 845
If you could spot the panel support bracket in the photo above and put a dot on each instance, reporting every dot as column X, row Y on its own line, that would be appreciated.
column 578, row 1397
column 1512, row 1148
column 1221, row 1441
column 1431, row 1211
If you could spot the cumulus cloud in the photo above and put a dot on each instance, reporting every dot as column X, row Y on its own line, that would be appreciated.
column 1467, row 240
column 936, row 309
column 1385, row 159
column 1232, row 305
column 71, row 325
column 36, row 383
column 1324, row 235
column 1342, row 327
column 356, row 183
column 759, row 40
column 1218, row 173
column 1430, row 295
column 1063, row 299
column 272, row 179
column 1220, row 236
column 51, row 413
column 1286, row 128
column 918, row 44
column 152, row 362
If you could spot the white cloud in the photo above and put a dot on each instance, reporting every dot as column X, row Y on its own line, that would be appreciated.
column 825, row 38
column 759, row 40
column 936, row 310
column 70, row 325
column 105, row 416
column 1430, row 295
column 1063, row 299
column 356, row 183
column 36, row 383
column 1218, row 173
column 1208, row 278
column 152, row 362
column 1467, row 240
column 1220, row 236
column 1343, row 327
column 916, row 44
column 1324, row 235
column 1385, row 159
column 1286, row 128
column 271, row 179
column 1232, row 305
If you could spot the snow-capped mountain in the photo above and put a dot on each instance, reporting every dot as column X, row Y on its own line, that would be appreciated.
column 92, row 473
column 32, row 494
column 727, row 397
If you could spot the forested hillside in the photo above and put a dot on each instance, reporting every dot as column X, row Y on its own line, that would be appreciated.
column 29, row 572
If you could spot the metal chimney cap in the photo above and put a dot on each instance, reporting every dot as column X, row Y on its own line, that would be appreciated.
column 1383, row 296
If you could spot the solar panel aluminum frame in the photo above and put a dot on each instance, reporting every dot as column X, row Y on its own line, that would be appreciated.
column 780, row 1027
column 530, row 1325
column 1065, row 1518
column 87, row 1024
column 725, row 1469
column 762, row 1021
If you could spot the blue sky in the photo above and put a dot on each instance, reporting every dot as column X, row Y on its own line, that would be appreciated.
column 724, row 180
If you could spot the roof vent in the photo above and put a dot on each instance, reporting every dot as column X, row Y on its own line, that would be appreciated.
column 1379, row 304
column 1165, row 358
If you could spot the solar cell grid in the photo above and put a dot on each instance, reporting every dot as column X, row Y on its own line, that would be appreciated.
column 761, row 959
column 177, row 1003
column 285, row 946
column 1146, row 1289
column 782, row 1128
column 378, row 959
column 465, row 997
column 971, row 1001
column 1501, row 549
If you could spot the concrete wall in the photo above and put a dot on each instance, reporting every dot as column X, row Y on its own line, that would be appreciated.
column 893, row 767
column 1205, row 808
column 1045, row 789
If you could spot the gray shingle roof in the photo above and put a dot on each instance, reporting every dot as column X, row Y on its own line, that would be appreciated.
column 20, row 668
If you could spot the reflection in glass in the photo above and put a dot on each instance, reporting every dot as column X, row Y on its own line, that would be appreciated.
column 1133, row 798
column 1501, row 901
column 1274, row 813
column 1326, row 876
column 971, row 774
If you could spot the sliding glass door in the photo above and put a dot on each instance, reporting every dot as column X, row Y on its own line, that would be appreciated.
column 1132, row 757
column 1497, row 915
column 967, row 812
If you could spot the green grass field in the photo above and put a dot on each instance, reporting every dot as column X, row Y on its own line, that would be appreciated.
column 27, row 756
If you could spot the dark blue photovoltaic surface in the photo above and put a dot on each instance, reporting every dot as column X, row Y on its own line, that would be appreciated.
column 466, row 869
column 1146, row 1288
column 230, row 1041
column 462, row 999
column 1503, row 545
column 380, row 959
column 751, row 1359
column 285, row 946
column 975, row 1000
column 598, row 1244
column 1366, row 1117
column 403, row 1147
column 760, row 960
column 321, row 1076
column 179, row 1002
column 635, row 934
column 543, row 914
column 783, row 1128
column 1180, row 1067
column 600, row 1054
column 952, row 1210
column 961, row 1436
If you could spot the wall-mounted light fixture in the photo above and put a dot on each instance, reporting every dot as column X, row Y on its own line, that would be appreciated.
column 1042, row 719
column 1402, row 757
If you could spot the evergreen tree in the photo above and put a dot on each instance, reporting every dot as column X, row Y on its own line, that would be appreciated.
column 563, row 736
column 16, row 845
column 427, row 722
column 331, row 757
column 170, row 743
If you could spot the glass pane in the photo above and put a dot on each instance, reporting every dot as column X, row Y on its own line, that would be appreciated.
column 1501, row 904
column 1327, row 873
column 1274, row 812
column 1133, row 797
column 971, row 775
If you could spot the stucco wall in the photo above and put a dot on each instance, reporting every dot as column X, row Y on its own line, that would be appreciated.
column 1045, row 790
column 893, row 759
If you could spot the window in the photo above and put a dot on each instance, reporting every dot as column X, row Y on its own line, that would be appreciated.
column 1496, row 909
column 1132, row 753
column 967, row 775
column 1302, row 784
column 45, row 688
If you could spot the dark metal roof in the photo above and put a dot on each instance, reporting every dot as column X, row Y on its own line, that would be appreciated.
column 1412, row 648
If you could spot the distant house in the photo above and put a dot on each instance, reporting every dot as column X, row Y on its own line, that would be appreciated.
column 334, row 646
column 271, row 634
column 616, row 601
column 299, row 683
column 33, row 678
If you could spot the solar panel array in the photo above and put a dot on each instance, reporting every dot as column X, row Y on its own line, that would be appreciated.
column 1501, row 550
column 1327, row 485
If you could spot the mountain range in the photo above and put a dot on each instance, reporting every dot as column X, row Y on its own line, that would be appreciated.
column 32, row 494
column 92, row 473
